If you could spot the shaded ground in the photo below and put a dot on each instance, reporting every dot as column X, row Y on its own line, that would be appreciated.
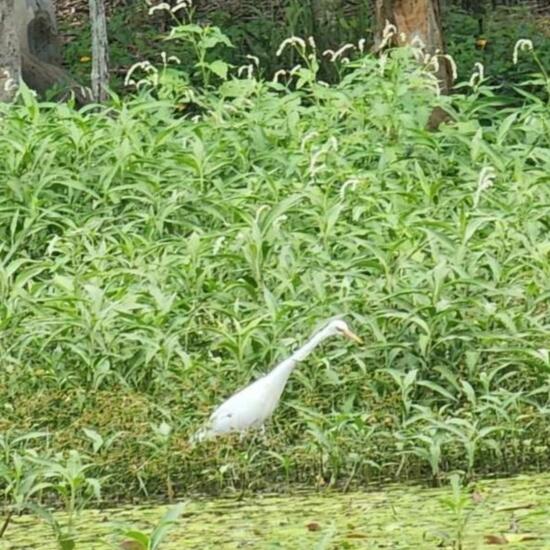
column 513, row 512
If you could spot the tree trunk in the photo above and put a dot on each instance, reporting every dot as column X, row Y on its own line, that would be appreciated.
column 37, row 29
column 10, row 60
column 41, row 76
column 100, row 61
column 416, row 20
column 39, row 47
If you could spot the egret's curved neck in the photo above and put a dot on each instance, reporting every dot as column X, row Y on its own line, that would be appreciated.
column 287, row 366
column 310, row 345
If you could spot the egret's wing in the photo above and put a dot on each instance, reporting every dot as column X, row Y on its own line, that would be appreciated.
column 241, row 411
column 246, row 409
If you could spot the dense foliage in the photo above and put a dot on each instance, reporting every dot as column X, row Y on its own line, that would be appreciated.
column 158, row 253
column 134, row 35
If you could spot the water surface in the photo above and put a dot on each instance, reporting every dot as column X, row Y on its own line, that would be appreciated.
column 517, row 509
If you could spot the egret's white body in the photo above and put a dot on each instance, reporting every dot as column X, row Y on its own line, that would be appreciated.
column 253, row 405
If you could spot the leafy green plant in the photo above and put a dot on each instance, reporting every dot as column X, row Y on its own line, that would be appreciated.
column 138, row 540
column 20, row 480
column 161, row 253
column 66, row 477
column 493, row 48
column 159, row 442
column 459, row 504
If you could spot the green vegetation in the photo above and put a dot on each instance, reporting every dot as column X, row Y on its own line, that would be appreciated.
column 493, row 48
column 135, row 36
column 512, row 512
column 159, row 252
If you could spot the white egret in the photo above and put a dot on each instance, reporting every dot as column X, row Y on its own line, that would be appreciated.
column 252, row 406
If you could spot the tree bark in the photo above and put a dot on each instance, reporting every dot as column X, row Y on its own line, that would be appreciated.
column 100, row 59
column 416, row 20
column 37, row 29
column 10, row 60
column 41, row 76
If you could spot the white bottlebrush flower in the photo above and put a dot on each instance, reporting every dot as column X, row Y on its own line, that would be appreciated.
column 10, row 85
column 186, row 4
column 144, row 65
column 159, row 7
column 279, row 73
column 477, row 75
column 280, row 220
column 254, row 59
column 454, row 73
column 485, row 181
column 218, row 245
column 433, row 62
column 343, row 49
column 259, row 211
column 313, row 166
column 292, row 41
column 351, row 184
column 389, row 31
column 522, row 44
column 382, row 62
column 306, row 138
column 249, row 69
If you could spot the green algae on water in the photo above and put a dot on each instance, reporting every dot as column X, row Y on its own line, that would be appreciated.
column 497, row 511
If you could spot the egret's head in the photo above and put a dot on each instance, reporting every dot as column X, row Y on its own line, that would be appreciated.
column 339, row 327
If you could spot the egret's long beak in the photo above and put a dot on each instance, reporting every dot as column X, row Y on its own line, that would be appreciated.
column 352, row 336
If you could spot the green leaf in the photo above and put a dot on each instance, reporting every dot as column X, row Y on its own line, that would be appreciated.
column 141, row 538
column 219, row 68
column 67, row 543
column 436, row 388
column 169, row 519
column 96, row 439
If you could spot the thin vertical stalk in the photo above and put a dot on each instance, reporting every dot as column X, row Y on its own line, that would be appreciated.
column 100, row 52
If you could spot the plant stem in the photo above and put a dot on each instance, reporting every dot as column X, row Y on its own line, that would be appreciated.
column 6, row 523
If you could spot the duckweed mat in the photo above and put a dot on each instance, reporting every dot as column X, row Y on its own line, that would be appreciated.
column 514, row 513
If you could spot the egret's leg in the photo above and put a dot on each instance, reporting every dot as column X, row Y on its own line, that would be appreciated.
column 244, row 473
column 243, row 476
column 263, row 434
column 241, row 494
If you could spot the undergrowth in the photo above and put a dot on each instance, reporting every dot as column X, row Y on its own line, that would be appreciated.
column 134, row 36
column 159, row 252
